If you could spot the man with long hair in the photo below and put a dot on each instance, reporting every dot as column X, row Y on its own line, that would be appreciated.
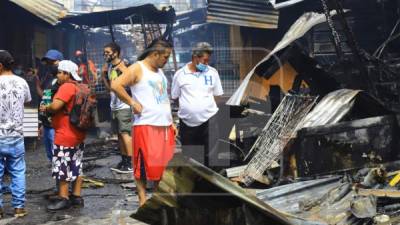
column 153, row 130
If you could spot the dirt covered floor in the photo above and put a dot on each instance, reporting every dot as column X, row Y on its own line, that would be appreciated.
column 108, row 204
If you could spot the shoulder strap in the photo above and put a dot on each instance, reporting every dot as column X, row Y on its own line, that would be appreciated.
column 76, row 92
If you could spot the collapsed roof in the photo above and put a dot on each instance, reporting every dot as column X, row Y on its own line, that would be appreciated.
column 147, row 14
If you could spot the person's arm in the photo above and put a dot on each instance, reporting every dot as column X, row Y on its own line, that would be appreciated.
column 54, row 107
column 28, row 97
column 218, row 91
column 39, row 89
column 93, row 71
column 104, row 74
column 65, row 94
column 175, row 88
column 217, row 99
column 129, row 77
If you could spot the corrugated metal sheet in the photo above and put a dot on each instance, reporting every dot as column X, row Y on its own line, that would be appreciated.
column 284, row 4
column 321, row 202
column 48, row 10
column 296, row 31
column 331, row 108
column 248, row 13
column 288, row 198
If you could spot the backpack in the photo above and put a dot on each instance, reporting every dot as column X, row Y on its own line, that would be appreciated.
column 84, row 108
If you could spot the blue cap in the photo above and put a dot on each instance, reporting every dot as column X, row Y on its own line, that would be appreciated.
column 53, row 54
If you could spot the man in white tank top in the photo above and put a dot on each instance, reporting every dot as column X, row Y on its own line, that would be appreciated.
column 153, row 130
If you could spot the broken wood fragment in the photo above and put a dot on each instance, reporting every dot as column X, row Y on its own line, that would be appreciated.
column 379, row 192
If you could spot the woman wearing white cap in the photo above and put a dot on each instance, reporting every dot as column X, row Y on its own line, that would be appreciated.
column 68, row 141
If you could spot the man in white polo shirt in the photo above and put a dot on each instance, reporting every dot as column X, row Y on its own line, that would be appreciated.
column 197, row 85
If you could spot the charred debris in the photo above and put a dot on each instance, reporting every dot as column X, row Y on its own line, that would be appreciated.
column 321, row 147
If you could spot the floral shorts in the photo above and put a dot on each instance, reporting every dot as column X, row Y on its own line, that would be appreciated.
column 67, row 162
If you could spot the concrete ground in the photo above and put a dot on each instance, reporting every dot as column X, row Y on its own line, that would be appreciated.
column 111, row 204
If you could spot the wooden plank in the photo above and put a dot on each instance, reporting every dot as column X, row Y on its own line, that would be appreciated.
column 32, row 120
column 31, row 124
column 30, row 129
column 30, row 134
column 30, row 110
column 379, row 192
column 31, row 114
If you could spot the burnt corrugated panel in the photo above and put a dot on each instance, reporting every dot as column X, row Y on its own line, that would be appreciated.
column 48, row 10
column 338, row 104
column 332, row 108
column 248, row 13
column 148, row 13
column 287, row 197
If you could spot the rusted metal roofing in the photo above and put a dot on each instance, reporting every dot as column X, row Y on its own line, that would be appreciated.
column 248, row 13
column 47, row 10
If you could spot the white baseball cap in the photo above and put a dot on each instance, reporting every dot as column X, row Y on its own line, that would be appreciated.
column 69, row 67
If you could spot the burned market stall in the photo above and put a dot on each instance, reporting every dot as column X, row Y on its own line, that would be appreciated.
column 347, row 129
column 133, row 28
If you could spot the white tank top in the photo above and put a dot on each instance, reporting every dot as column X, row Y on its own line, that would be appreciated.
column 151, row 93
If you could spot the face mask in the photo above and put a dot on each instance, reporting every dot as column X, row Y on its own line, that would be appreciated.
column 18, row 72
column 201, row 67
column 53, row 69
column 109, row 58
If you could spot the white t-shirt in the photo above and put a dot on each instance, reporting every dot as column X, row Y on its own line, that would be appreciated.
column 14, row 92
column 196, row 93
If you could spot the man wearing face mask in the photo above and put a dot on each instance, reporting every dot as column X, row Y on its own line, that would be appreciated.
column 48, row 84
column 196, row 86
column 121, row 116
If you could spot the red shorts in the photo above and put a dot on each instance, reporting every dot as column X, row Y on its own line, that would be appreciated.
column 153, row 148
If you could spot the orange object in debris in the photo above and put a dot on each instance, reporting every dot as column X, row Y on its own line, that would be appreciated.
column 284, row 78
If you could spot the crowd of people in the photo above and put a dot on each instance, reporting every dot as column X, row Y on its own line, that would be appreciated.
column 141, row 117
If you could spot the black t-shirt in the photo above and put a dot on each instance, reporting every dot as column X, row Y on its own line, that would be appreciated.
column 48, row 81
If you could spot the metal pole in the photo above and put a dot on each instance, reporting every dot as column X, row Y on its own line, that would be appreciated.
column 174, row 54
column 144, row 32
column 110, row 27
